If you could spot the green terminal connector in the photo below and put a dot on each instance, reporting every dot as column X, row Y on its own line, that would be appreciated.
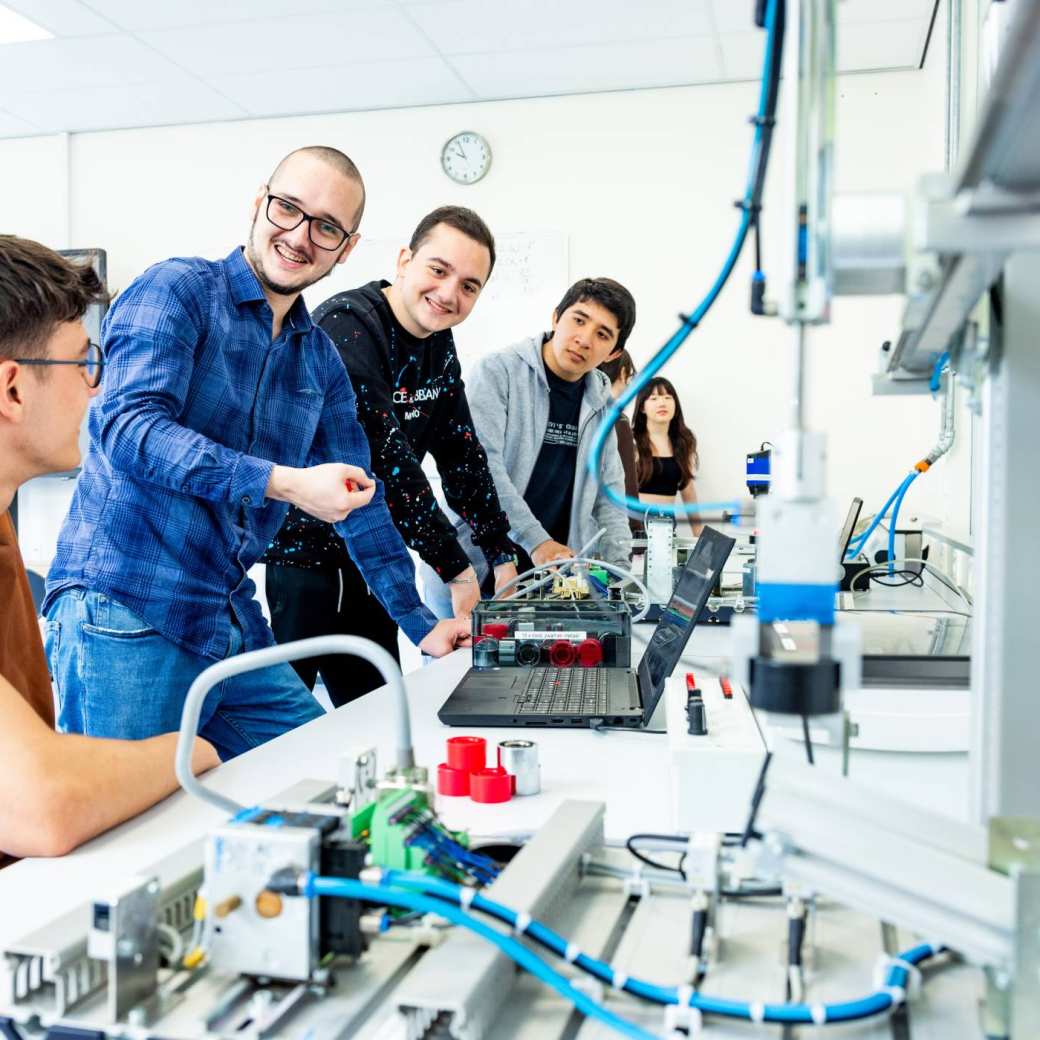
column 387, row 823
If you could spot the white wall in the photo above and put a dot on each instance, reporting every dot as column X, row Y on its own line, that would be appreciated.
column 637, row 185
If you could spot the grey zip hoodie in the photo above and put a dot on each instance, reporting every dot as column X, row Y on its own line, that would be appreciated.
column 509, row 401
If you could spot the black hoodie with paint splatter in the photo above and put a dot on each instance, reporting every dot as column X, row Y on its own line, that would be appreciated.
column 411, row 402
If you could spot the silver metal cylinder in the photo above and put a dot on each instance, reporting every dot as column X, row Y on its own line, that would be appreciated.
column 519, row 758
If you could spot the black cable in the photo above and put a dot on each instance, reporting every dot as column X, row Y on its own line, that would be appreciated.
column 808, row 741
column 656, row 863
column 756, row 800
column 766, row 891
column 911, row 578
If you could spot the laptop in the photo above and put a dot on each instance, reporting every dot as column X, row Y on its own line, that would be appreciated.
column 589, row 697
column 848, row 570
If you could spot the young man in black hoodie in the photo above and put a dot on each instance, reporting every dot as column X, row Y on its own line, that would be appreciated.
column 396, row 342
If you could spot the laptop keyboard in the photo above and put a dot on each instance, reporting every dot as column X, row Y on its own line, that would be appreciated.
column 564, row 691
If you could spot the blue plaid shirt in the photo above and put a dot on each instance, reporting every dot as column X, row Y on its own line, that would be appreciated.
column 197, row 406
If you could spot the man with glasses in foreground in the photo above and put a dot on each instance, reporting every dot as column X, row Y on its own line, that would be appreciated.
column 56, row 790
column 223, row 403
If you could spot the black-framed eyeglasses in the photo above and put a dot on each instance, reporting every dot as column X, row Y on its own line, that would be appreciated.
column 288, row 216
column 92, row 365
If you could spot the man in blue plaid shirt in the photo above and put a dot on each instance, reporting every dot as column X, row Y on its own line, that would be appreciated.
column 222, row 404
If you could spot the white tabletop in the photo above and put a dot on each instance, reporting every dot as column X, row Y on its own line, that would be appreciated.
column 627, row 771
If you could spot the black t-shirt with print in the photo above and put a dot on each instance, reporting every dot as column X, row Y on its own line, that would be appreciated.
column 551, row 487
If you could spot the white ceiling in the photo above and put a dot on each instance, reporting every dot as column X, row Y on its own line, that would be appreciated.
column 127, row 63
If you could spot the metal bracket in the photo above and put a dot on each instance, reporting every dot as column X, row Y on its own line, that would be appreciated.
column 124, row 935
column 1013, row 1003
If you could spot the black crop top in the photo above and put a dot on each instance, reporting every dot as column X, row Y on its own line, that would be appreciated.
column 665, row 477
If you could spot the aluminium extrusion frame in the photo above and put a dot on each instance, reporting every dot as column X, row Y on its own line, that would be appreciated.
column 999, row 176
column 471, row 980
column 883, row 856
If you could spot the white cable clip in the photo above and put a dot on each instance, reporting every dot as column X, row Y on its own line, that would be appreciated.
column 819, row 1014
column 757, row 1012
column 572, row 953
column 619, row 980
column 682, row 1016
column 636, row 886
column 466, row 897
column 522, row 922
column 898, row 994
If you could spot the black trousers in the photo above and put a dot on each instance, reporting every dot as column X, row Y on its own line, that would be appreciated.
column 307, row 603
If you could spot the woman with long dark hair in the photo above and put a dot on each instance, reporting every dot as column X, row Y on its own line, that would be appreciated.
column 666, row 446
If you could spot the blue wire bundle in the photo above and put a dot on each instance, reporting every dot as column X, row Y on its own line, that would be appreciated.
column 875, row 1003
column 420, row 894
column 445, row 853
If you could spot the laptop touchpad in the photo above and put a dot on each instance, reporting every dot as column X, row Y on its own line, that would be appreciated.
column 499, row 680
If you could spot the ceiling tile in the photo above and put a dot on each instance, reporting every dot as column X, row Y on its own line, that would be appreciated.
column 102, row 108
column 81, row 62
column 735, row 15
column 861, row 46
column 62, row 17
column 853, row 11
column 391, row 84
column 170, row 14
column 475, row 26
column 586, row 69
column 742, row 54
column 280, row 44
column 11, row 126
column 882, row 45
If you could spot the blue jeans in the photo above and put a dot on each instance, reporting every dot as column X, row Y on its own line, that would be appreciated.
column 118, row 677
column 434, row 592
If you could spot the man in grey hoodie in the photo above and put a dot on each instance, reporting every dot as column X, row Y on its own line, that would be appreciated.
column 536, row 406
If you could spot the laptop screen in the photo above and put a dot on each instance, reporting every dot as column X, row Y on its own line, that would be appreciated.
column 848, row 527
column 680, row 616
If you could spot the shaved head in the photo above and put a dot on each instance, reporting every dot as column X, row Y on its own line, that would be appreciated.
column 335, row 159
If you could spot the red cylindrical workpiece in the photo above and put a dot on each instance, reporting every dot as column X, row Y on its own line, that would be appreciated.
column 562, row 653
column 451, row 781
column 496, row 629
column 590, row 653
column 467, row 753
column 490, row 785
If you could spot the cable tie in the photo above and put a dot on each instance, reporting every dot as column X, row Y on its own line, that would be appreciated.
column 572, row 953
column 687, row 319
column 522, row 922
column 882, row 971
column 819, row 1014
column 896, row 993
column 753, row 208
column 757, row 120
column 680, row 1016
column 684, row 995
column 757, row 1012
column 466, row 897
column 619, row 980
